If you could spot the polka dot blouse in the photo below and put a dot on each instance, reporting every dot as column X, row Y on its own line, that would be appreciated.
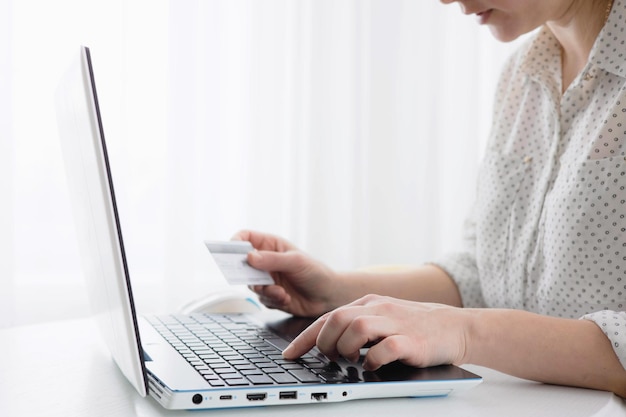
column 548, row 231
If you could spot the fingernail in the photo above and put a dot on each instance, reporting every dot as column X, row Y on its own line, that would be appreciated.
column 253, row 258
column 288, row 350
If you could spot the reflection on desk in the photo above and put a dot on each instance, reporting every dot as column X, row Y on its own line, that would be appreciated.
column 64, row 369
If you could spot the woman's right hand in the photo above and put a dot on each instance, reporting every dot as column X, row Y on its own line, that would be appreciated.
column 303, row 286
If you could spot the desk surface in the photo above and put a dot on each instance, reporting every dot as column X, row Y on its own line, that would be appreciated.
column 63, row 369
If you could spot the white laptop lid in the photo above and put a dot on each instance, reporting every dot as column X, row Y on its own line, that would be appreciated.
column 97, row 222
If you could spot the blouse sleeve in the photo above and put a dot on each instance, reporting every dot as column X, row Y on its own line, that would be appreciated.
column 461, row 267
column 613, row 324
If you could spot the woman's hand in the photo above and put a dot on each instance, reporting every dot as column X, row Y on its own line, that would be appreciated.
column 527, row 345
column 303, row 287
column 417, row 334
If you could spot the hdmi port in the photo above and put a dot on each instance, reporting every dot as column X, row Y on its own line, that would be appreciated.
column 256, row 397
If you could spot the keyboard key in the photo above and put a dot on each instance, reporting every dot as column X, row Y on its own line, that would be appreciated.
column 260, row 379
column 332, row 376
column 292, row 366
column 255, row 371
column 275, row 356
column 304, row 375
column 266, row 364
column 244, row 367
column 266, row 348
column 226, row 370
column 312, row 363
column 206, row 372
column 216, row 383
column 247, row 351
column 253, row 356
column 280, row 344
column 284, row 362
column 239, row 362
column 230, row 358
column 236, row 382
column 273, row 370
column 283, row 378
column 231, row 375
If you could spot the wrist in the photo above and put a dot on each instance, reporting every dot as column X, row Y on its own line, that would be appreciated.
column 339, row 290
column 476, row 335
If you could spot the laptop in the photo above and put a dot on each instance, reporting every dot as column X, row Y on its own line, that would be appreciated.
column 198, row 361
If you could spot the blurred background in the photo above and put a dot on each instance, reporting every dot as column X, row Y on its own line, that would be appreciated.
column 353, row 128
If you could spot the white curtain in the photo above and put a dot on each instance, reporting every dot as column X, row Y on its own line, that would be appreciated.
column 7, row 252
column 353, row 128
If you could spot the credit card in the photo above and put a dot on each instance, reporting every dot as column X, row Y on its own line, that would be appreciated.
column 231, row 259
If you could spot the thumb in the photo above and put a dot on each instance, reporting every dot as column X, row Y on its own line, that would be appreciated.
column 273, row 261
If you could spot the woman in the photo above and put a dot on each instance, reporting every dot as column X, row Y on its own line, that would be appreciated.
column 546, row 241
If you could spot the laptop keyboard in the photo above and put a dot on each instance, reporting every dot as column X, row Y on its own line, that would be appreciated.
column 230, row 351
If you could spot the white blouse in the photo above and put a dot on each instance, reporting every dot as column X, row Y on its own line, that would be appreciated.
column 548, row 230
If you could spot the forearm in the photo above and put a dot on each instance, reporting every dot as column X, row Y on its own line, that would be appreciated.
column 546, row 349
column 426, row 283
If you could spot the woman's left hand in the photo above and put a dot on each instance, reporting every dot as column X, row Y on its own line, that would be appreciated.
column 417, row 334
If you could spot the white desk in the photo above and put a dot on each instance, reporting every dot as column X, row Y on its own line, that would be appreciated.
column 63, row 369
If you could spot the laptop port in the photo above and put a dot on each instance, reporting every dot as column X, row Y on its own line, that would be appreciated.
column 256, row 397
column 288, row 395
column 319, row 396
column 226, row 397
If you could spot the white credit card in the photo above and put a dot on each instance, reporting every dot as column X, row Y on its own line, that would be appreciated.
column 231, row 259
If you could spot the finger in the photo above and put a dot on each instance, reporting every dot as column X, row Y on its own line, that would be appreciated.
column 273, row 304
column 276, row 261
column 272, row 295
column 305, row 340
column 256, row 260
column 263, row 241
column 242, row 235
column 257, row 239
column 335, row 326
column 390, row 349
column 256, row 288
column 359, row 332
column 280, row 299
column 275, row 292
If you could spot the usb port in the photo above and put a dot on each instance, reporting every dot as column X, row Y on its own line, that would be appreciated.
column 256, row 397
column 226, row 397
column 288, row 395
column 319, row 396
